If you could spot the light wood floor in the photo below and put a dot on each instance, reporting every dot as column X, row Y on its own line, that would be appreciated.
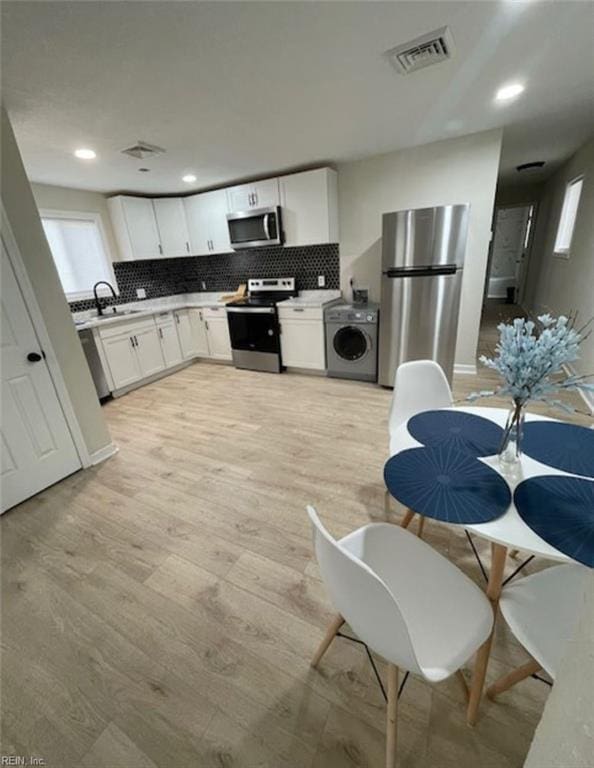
column 161, row 609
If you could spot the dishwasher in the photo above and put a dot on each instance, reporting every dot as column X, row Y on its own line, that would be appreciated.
column 90, row 349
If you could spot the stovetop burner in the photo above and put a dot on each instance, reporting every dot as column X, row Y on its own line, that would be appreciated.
column 266, row 292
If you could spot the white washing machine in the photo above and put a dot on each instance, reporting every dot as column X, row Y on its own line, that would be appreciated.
column 351, row 341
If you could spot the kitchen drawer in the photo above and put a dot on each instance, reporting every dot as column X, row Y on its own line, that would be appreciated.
column 129, row 326
column 164, row 318
column 300, row 313
column 214, row 312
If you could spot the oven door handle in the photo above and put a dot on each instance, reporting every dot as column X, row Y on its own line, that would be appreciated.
column 255, row 310
column 266, row 227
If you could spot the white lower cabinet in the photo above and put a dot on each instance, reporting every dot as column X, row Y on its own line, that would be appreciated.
column 121, row 358
column 170, row 346
column 148, row 350
column 187, row 340
column 198, row 326
column 133, row 351
column 217, row 332
column 302, row 337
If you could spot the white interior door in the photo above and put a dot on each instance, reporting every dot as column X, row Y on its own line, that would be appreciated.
column 37, row 446
column 509, row 250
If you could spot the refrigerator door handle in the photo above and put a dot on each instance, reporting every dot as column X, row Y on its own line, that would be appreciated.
column 449, row 269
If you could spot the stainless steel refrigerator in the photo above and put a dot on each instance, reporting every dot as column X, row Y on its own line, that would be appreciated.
column 422, row 268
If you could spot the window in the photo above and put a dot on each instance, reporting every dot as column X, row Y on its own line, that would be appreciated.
column 568, row 216
column 78, row 246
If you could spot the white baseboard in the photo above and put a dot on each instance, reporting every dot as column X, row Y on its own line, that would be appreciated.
column 464, row 369
column 103, row 453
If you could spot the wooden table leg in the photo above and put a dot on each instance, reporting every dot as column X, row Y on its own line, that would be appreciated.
column 498, row 557
column 407, row 518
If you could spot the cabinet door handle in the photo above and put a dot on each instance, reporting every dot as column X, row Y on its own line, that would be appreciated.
column 187, row 246
column 176, row 318
column 160, row 249
column 255, row 198
column 206, row 324
column 132, row 341
column 136, row 341
column 297, row 309
column 161, row 332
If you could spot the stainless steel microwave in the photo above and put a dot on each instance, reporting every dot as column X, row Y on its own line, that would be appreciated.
column 256, row 228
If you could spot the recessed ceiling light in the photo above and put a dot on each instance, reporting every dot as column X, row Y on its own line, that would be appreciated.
column 189, row 178
column 509, row 92
column 85, row 154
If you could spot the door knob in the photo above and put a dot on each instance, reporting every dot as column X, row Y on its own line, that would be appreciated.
column 33, row 357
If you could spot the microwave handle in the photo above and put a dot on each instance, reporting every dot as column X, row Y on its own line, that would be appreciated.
column 266, row 228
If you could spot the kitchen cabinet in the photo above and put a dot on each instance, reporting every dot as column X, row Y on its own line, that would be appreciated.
column 206, row 215
column 198, row 326
column 121, row 358
column 188, row 344
column 302, row 337
column 172, row 226
column 170, row 343
column 217, row 332
column 133, row 351
column 309, row 203
column 135, row 227
column 148, row 350
column 255, row 194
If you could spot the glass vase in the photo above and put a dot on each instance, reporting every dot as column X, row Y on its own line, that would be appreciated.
column 510, row 451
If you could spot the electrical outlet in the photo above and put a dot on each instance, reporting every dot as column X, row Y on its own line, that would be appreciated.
column 321, row 281
column 203, row 285
column 140, row 293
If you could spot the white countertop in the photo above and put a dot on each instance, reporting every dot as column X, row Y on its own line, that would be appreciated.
column 311, row 299
column 138, row 309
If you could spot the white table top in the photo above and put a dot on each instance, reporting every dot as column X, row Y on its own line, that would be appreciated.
column 509, row 529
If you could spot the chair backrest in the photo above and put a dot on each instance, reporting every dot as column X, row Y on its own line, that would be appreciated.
column 420, row 385
column 363, row 599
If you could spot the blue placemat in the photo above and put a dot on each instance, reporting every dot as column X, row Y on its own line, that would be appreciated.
column 563, row 446
column 561, row 511
column 464, row 431
column 447, row 484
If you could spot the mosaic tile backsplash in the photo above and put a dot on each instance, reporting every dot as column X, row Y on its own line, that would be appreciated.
column 223, row 272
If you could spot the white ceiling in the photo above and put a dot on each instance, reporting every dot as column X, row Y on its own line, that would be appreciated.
column 233, row 90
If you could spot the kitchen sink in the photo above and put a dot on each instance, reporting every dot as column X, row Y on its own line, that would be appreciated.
column 108, row 316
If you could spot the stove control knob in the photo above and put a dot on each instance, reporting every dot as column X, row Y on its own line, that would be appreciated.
column 369, row 318
column 270, row 332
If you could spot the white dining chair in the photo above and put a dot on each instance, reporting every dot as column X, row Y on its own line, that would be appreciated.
column 542, row 612
column 420, row 385
column 405, row 602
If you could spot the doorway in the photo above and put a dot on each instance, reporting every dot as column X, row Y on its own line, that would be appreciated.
column 512, row 237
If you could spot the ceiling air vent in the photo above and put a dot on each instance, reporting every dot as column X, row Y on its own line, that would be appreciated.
column 141, row 149
column 423, row 51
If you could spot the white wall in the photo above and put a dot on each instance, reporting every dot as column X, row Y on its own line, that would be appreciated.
column 462, row 170
column 557, row 285
column 26, row 225
column 65, row 199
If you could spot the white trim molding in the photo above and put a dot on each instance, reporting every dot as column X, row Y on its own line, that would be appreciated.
column 463, row 369
column 104, row 453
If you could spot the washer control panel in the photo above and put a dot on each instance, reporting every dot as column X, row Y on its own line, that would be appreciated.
column 347, row 313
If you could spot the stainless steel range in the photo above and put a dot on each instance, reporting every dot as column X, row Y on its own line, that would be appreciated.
column 254, row 327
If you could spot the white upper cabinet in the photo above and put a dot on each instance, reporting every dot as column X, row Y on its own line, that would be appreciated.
column 310, row 207
column 172, row 226
column 206, row 215
column 135, row 227
column 255, row 194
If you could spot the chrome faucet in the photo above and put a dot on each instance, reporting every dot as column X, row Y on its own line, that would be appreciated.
column 97, row 301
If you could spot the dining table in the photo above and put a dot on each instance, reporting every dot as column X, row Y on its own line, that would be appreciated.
column 485, row 502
